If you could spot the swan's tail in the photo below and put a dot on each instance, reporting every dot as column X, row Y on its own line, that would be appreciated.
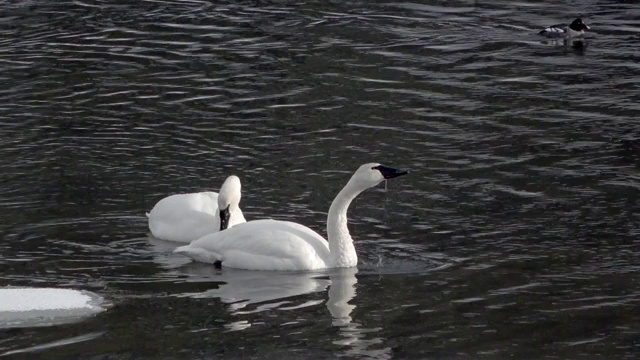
column 198, row 254
column 147, row 214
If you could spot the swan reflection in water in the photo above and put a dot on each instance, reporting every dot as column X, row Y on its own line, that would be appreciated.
column 241, row 288
column 274, row 290
column 341, row 291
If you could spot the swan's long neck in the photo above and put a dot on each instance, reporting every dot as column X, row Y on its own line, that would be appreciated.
column 343, row 253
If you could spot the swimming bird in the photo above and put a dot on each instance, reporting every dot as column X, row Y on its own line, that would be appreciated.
column 575, row 29
column 284, row 245
column 186, row 217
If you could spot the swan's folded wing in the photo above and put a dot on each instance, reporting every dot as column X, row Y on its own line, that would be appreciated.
column 264, row 245
column 240, row 259
column 198, row 254
column 175, row 206
column 189, row 226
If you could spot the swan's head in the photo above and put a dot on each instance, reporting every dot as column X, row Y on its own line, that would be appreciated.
column 228, row 199
column 370, row 175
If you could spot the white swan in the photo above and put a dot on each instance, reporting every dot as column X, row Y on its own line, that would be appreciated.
column 285, row 245
column 186, row 217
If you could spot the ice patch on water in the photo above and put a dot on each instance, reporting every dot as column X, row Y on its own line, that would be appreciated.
column 21, row 307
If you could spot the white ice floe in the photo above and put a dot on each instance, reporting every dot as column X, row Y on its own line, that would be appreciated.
column 20, row 307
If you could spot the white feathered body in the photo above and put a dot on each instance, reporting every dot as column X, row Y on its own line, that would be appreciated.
column 284, row 245
column 262, row 245
column 186, row 217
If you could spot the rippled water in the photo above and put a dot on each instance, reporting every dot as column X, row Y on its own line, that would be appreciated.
column 516, row 235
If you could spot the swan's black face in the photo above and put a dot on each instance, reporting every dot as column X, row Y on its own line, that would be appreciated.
column 389, row 173
column 225, row 214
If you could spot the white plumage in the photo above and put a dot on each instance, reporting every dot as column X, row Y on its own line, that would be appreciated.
column 186, row 217
column 285, row 245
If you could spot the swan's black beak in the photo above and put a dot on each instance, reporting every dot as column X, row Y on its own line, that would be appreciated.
column 225, row 214
column 390, row 173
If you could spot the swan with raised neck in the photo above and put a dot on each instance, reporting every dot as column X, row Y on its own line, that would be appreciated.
column 285, row 245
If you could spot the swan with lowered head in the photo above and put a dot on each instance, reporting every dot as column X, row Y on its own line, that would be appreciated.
column 285, row 245
column 186, row 217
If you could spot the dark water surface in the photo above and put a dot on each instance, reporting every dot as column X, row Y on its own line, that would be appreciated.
column 516, row 235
